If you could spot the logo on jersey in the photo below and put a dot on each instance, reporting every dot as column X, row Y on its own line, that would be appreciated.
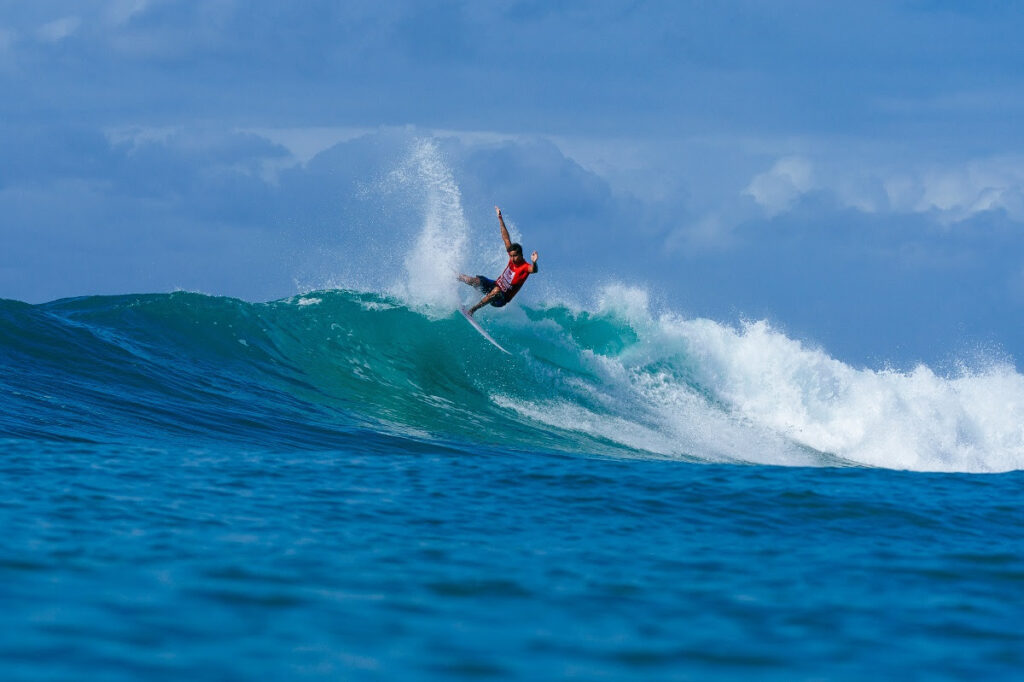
column 505, row 281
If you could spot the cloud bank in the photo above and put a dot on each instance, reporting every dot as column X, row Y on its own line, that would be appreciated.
column 851, row 171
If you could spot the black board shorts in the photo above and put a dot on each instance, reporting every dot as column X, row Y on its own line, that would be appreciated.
column 486, row 286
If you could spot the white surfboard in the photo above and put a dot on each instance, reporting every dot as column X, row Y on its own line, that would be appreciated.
column 483, row 332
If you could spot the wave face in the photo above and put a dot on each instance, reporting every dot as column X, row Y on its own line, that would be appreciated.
column 332, row 368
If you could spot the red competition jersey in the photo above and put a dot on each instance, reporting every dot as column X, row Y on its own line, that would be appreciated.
column 513, row 277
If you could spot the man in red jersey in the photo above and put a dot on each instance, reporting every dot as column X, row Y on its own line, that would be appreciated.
column 501, row 291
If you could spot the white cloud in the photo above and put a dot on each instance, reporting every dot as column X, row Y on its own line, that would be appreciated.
column 977, row 186
column 59, row 29
column 122, row 11
column 954, row 192
column 779, row 188
column 902, row 191
column 306, row 142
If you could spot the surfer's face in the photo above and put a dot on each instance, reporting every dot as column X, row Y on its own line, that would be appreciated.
column 516, row 256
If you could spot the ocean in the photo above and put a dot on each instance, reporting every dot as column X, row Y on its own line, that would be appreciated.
column 347, row 485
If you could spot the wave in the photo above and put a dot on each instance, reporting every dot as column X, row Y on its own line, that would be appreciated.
column 336, row 368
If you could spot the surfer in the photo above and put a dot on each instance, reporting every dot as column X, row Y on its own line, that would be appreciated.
column 499, row 292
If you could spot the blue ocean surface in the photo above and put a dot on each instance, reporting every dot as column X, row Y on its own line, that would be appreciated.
column 346, row 485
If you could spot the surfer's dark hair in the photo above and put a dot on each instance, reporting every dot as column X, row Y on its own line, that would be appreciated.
column 515, row 246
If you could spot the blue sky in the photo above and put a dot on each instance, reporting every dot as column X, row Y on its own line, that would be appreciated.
column 852, row 171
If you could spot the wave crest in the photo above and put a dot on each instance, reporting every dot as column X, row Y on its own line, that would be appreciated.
column 314, row 370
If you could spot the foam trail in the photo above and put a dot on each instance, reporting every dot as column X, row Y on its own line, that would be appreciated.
column 436, row 256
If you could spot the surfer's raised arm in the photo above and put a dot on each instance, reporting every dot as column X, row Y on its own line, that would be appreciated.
column 508, row 241
column 504, row 230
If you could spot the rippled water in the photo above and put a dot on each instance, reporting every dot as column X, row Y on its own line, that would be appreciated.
column 408, row 561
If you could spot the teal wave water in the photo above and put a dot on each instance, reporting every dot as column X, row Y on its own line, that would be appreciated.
column 310, row 371
column 344, row 485
column 313, row 370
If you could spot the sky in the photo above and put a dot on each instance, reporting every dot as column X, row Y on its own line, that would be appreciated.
column 852, row 172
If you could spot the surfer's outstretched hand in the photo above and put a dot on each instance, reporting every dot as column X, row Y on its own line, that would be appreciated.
column 498, row 211
column 533, row 257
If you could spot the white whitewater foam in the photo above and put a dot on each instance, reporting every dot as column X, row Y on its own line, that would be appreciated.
column 702, row 388
column 905, row 420
column 640, row 401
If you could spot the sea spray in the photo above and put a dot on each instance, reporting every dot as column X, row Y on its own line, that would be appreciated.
column 436, row 256
column 906, row 420
column 639, row 392
column 399, row 231
column 696, row 387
